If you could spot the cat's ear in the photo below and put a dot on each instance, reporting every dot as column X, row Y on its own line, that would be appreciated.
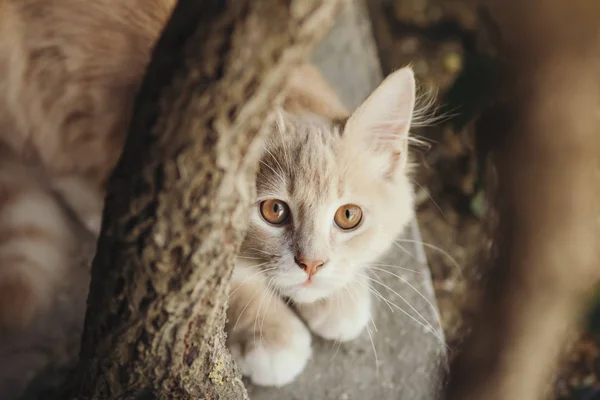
column 383, row 120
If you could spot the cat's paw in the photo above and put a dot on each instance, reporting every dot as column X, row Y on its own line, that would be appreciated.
column 341, row 319
column 275, row 365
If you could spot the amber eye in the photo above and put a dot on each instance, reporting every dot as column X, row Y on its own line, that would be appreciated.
column 348, row 216
column 275, row 212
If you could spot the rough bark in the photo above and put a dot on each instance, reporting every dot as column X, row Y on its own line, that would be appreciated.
column 548, row 162
column 177, row 202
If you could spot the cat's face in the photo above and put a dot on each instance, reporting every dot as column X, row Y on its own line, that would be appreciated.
column 332, row 198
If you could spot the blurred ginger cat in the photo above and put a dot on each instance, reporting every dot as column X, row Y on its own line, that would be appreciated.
column 332, row 190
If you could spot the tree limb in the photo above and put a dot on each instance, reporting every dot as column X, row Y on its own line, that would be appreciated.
column 176, row 209
column 548, row 164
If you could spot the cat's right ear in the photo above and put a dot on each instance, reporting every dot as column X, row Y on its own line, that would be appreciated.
column 383, row 120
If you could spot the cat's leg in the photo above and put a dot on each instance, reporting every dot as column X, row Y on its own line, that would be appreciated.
column 268, row 341
column 342, row 316
column 35, row 240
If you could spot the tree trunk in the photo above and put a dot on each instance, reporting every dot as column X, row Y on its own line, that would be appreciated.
column 177, row 205
column 548, row 163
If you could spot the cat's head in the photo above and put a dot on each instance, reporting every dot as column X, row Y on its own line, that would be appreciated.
column 332, row 196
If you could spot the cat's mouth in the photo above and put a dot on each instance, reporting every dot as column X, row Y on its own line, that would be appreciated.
column 299, row 287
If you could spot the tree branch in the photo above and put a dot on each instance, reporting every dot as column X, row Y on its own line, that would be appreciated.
column 176, row 209
column 548, row 167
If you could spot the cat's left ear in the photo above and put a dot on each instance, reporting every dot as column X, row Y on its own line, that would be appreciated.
column 382, row 122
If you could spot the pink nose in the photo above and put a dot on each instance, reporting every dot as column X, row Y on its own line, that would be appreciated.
column 309, row 266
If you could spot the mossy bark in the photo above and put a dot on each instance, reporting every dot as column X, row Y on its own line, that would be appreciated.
column 177, row 204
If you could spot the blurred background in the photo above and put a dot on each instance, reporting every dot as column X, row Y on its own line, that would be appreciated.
column 450, row 46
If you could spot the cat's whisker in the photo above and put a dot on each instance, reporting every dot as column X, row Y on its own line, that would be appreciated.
column 423, row 139
column 401, row 298
column 277, row 162
column 257, row 268
column 277, row 285
column 413, row 140
column 336, row 343
column 374, row 350
column 255, row 265
column 272, row 170
column 262, row 251
column 370, row 334
column 433, row 308
column 371, row 315
column 419, row 141
column 267, row 293
column 373, row 323
column 426, row 326
column 438, row 249
column 262, row 323
column 411, row 255
column 395, row 266
column 237, row 321
column 426, row 113
column 368, row 331
column 257, row 316
column 249, row 258
column 279, row 120
column 262, row 271
column 274, row 287
column 430, row 198
column 379, row 296
column 272, row 291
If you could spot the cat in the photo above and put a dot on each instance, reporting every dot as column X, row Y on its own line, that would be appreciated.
column 69, row 72
column 333, row 193
column 332, row 190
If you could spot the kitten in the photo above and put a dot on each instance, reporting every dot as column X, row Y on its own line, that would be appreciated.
column 332, row 196
column 332, row 191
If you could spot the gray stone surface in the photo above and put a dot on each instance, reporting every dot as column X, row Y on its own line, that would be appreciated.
column 410, row 359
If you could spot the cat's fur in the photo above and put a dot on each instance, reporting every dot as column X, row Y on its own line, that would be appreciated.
column 69, row 71
column 317, row 163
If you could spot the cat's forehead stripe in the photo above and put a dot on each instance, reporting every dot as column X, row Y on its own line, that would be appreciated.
column 314, row 168
column 305, row 157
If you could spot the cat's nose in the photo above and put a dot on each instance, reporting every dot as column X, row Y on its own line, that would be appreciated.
column 309, row 266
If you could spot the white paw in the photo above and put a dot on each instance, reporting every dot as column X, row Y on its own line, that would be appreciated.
column 267, row 365
column 343, row 323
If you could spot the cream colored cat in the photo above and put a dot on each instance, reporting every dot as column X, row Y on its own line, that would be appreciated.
column 332, row 191
column 332, row 196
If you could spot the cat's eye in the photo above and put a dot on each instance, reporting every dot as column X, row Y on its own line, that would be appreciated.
column 275, row 212
column 348, row 217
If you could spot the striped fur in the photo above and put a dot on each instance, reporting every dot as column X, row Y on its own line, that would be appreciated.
column 34, row 241
column 69, row 71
